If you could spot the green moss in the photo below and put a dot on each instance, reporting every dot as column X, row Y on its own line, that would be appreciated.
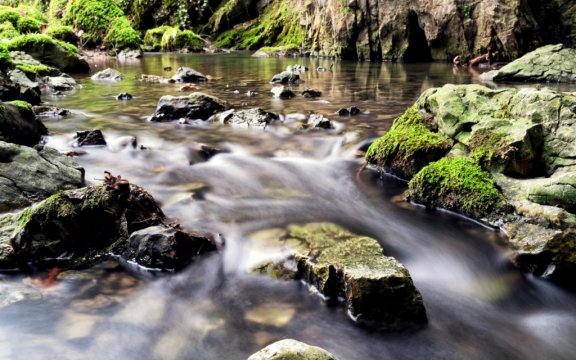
column 22, row 105
column 5, row 58
column 489, row 147
column 228, row 39
column 175, row 39
column 8, row 31
column 9, row 14
column 56, row 8
column 63, row 33
column 28, row 41
column 93, row 17
column 28, row 25
column 457, row 184
column 408, row 135
column 121, row 35
column 153, row 37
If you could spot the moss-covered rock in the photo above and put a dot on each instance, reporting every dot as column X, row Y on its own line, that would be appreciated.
column 458, row 184
column 153, row 37
column 32, row 174
column 408, row 146
column 8, row 31
column 550, row 63
column 28, row 25
column 93, row 17
column 63, row 33
column 121, row 35
column 19, row 125
column 289, row 349
column 10, row 14
column 378, row 289
column 5, row 58
column 53, row 52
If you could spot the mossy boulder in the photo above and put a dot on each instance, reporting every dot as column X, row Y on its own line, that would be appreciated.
column 30, row 174
column 49, row 51
column 33, row 68
column 459, row 184
column 378, row 290
column 121, row 35
column 194, row 106
column 289, row 349
column 5, row 58
column 93, row 17
column 19, row 125
column 63, row 33
column 408, row 146
column 550, row 63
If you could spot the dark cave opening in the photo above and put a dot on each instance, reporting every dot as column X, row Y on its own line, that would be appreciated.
column 418, row 49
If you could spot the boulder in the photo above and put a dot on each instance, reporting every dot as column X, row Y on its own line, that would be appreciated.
column 130, row 54
column 32, row 67
column 107, row 75
column 286, row 77
column 89, row 138
column 291, row 349
column 188, row 75
column 19, row 125
column 59, row 83
column 252, row 118
column 282, row 92
column 166, row 247
column 30, row 174
column 550, row 63
column 378, row 290
column 194, row 106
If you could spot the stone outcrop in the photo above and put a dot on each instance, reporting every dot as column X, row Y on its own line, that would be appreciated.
column 30, row 174
column 525, row 138
column 377, row 289
column 551, row 63
column 291, row 349
column 19, row 125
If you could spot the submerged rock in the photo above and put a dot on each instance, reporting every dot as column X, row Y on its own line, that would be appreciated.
column 378, row 290
column 30, row 174
column 550, row 63
column 248, row 118
column 107, row 75
column 19, row 125
column 289, row 349
column 194, row 106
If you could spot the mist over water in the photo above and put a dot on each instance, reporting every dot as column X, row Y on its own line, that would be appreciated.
column 478, row 305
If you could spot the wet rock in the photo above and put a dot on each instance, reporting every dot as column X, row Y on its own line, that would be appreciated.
column 124, row 96
column 282, row 92
column 188, row 75
column 29, row 174
column 165, row 247
column 198, row 152
column 194, row 106
column 155, row 79
column 311, row 93
column 49, row 111
column 351, row 111
column 277, row 51
column 291, row 349
column 256, row 117
column 89, row 138
column 130, row 54
column 318, row 121
column 550, row 63
column 286, row 77
column 29, row 90
column 8, row 90
column 59, row 83
column 298, row 68
column 19, row 125
column 32, row 67
column 107, row 75
column 378, row 290
column 76, row 228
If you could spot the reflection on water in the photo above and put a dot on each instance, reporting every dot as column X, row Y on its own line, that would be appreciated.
column 479, row 307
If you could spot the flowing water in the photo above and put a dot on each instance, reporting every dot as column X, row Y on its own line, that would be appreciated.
column 478, row 306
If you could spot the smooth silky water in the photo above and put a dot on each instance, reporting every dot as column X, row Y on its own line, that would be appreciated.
column 478, row 305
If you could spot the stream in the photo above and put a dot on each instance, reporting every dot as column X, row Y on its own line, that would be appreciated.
column 478, row 305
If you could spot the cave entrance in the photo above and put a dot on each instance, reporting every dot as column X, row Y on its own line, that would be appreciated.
column 418, row 49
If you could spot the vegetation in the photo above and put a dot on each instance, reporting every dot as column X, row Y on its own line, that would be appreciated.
column 121, row 35
column 489, row 147
column 9, row 14
column 457, row 184
column 23, row 106
column 174, row 39
column 153, row 37
column 63, row 33
column 5, row 58
column 93, row 17
column 8, row 31
column 29, row 41
column 35, row 70
column 28, row 25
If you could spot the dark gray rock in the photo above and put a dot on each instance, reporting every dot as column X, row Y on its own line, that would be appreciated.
column 124, row 96
column 286, row 77
column 19, row 125
column 282, row 92
column 89, row 138
column 194, row 106
column 311, row 93
column 318, row 121
column 188, row 75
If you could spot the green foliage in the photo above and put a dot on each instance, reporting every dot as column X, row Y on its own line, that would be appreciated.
column 22, row 106
column 28, row 41
column 407, row 136
column 57, row 8
column 5, row 58
column 121, row 35
column 466, row 10
column 27, row 25
column 153, row 37
column 7, row 30
column 94, row 17
column 228, row 39
column 9, row 14
column 457, row 184
column 62, row 33
column 175, row 39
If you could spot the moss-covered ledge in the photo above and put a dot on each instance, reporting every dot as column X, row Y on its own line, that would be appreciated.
column 379, row 291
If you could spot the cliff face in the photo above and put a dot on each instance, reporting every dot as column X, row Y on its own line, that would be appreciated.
column 417, row 30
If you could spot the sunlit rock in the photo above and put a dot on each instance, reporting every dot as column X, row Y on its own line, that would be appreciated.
column 292, row 349
column 194, row 106
column 188, row 75
column 250, row 118
column 107, row 75
column 378, row 290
